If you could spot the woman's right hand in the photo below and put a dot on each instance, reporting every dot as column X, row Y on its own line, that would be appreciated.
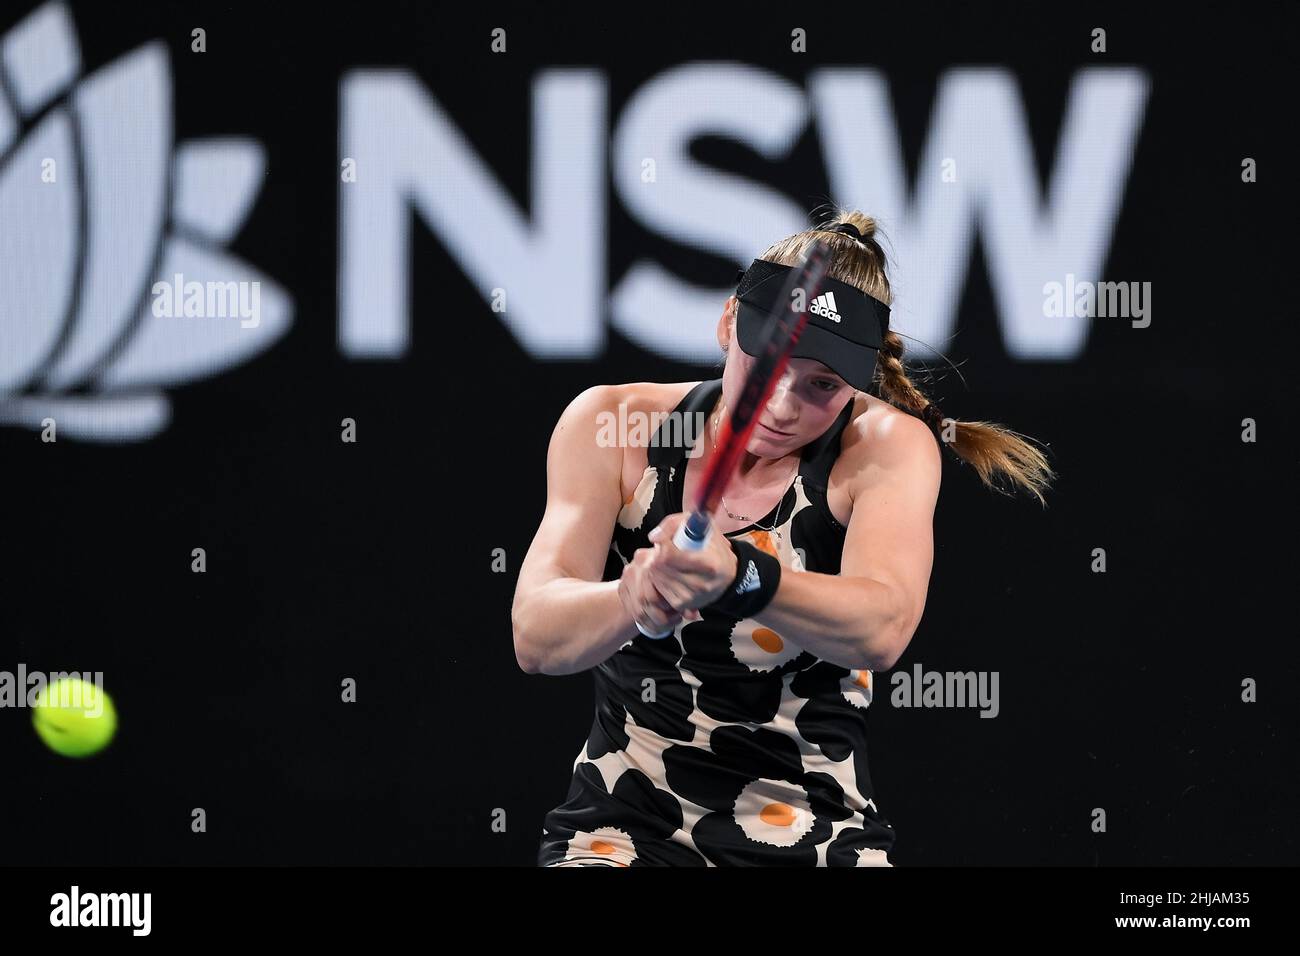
column 642, row 600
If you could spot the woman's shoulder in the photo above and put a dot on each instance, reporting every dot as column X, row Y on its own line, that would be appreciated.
column 635, row 410
column 649, row 397
column 878, row 432
column 628, row 397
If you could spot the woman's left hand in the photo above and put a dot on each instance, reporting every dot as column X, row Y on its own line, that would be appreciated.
column 689, row 580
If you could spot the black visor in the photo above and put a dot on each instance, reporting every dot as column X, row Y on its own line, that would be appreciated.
column 845, row 330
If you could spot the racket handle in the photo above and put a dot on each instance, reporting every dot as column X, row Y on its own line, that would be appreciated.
column 693, row 532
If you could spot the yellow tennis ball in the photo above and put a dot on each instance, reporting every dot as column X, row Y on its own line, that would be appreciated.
column 74, row 717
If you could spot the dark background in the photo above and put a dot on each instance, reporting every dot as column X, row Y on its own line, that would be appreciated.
column 373, row 561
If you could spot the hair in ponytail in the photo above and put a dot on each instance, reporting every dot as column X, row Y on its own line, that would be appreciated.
column 991, row 449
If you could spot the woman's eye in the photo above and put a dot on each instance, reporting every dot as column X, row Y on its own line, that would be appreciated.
column 829, row 386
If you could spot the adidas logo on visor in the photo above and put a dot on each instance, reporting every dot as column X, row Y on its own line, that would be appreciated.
column 824, row 304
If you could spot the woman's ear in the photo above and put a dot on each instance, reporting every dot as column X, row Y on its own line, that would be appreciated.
column 727, row 323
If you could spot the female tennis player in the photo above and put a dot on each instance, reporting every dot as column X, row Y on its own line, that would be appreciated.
column 739, row 738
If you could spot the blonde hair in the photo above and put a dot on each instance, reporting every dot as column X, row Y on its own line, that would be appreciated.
column 991, row 449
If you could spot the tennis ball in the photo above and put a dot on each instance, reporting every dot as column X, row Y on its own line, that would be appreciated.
column 74, row 717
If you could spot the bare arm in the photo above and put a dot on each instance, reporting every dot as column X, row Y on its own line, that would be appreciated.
column 866, row 615
column 565, row 619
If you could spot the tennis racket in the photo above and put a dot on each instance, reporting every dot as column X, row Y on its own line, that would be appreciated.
column 780, row 335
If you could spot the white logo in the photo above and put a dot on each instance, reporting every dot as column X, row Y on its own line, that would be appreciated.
column 750, row 582
column 543, row 265
column 825, row 305
column 97, row 204
column 102, row 909
column 87, row 228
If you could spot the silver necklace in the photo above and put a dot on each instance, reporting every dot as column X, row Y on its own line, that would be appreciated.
column 735, row 517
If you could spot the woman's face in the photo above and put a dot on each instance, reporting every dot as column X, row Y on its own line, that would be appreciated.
column 804, row 403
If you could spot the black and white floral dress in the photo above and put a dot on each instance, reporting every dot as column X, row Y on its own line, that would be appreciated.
column 725, row 743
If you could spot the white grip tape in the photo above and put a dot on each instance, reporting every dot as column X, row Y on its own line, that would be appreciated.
column 650, row 635
column 687, row 543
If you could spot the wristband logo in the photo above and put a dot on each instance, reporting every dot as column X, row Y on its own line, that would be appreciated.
column 751, row 581
column 98, row 204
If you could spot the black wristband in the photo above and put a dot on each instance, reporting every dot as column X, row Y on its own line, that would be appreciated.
column 757, row 576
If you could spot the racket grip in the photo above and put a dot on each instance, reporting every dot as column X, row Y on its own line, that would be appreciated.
column 693, row 532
